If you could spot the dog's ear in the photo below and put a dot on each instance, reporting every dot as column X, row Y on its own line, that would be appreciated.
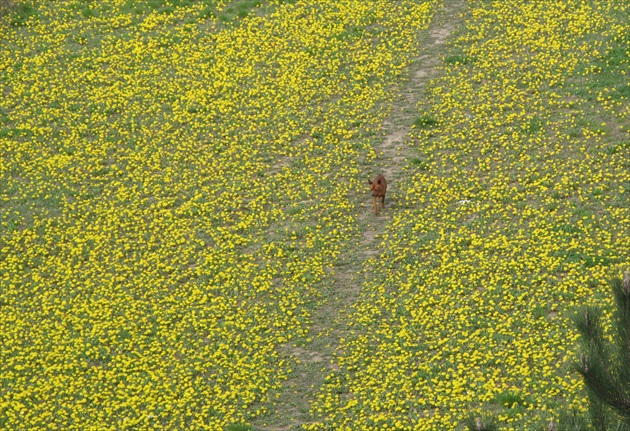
column 369, row 181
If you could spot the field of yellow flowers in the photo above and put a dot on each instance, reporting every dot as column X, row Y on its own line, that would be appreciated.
column 176, row 186
column 178, row 181
column 516, row 210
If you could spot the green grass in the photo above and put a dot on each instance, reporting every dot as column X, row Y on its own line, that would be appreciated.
column 609, row 72
column 239, row 9
column 533, row 126
column 162, row 6
column 510, row 400
column 20, row 13
column 238, row 427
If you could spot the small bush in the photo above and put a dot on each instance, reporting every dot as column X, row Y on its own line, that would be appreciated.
column 509, row 399
column 459, row 59
column 88, row 12
column 420, row 163
column 425, row 121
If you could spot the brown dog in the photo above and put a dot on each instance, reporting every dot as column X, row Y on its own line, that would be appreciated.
column 379, row 187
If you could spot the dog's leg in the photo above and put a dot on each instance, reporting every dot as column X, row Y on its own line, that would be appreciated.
column 375, row 205
column 383, row 201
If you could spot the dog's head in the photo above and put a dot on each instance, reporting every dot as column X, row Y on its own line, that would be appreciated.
column 376, row 186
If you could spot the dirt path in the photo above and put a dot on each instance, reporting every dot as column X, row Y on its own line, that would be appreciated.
column 404, row 110
column 316, row 358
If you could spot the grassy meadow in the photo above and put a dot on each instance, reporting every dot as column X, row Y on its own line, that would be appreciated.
column 183, row 184
column 516, row 211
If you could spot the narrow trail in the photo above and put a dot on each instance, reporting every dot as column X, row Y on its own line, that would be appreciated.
column 329, row 318
column 394, row 154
